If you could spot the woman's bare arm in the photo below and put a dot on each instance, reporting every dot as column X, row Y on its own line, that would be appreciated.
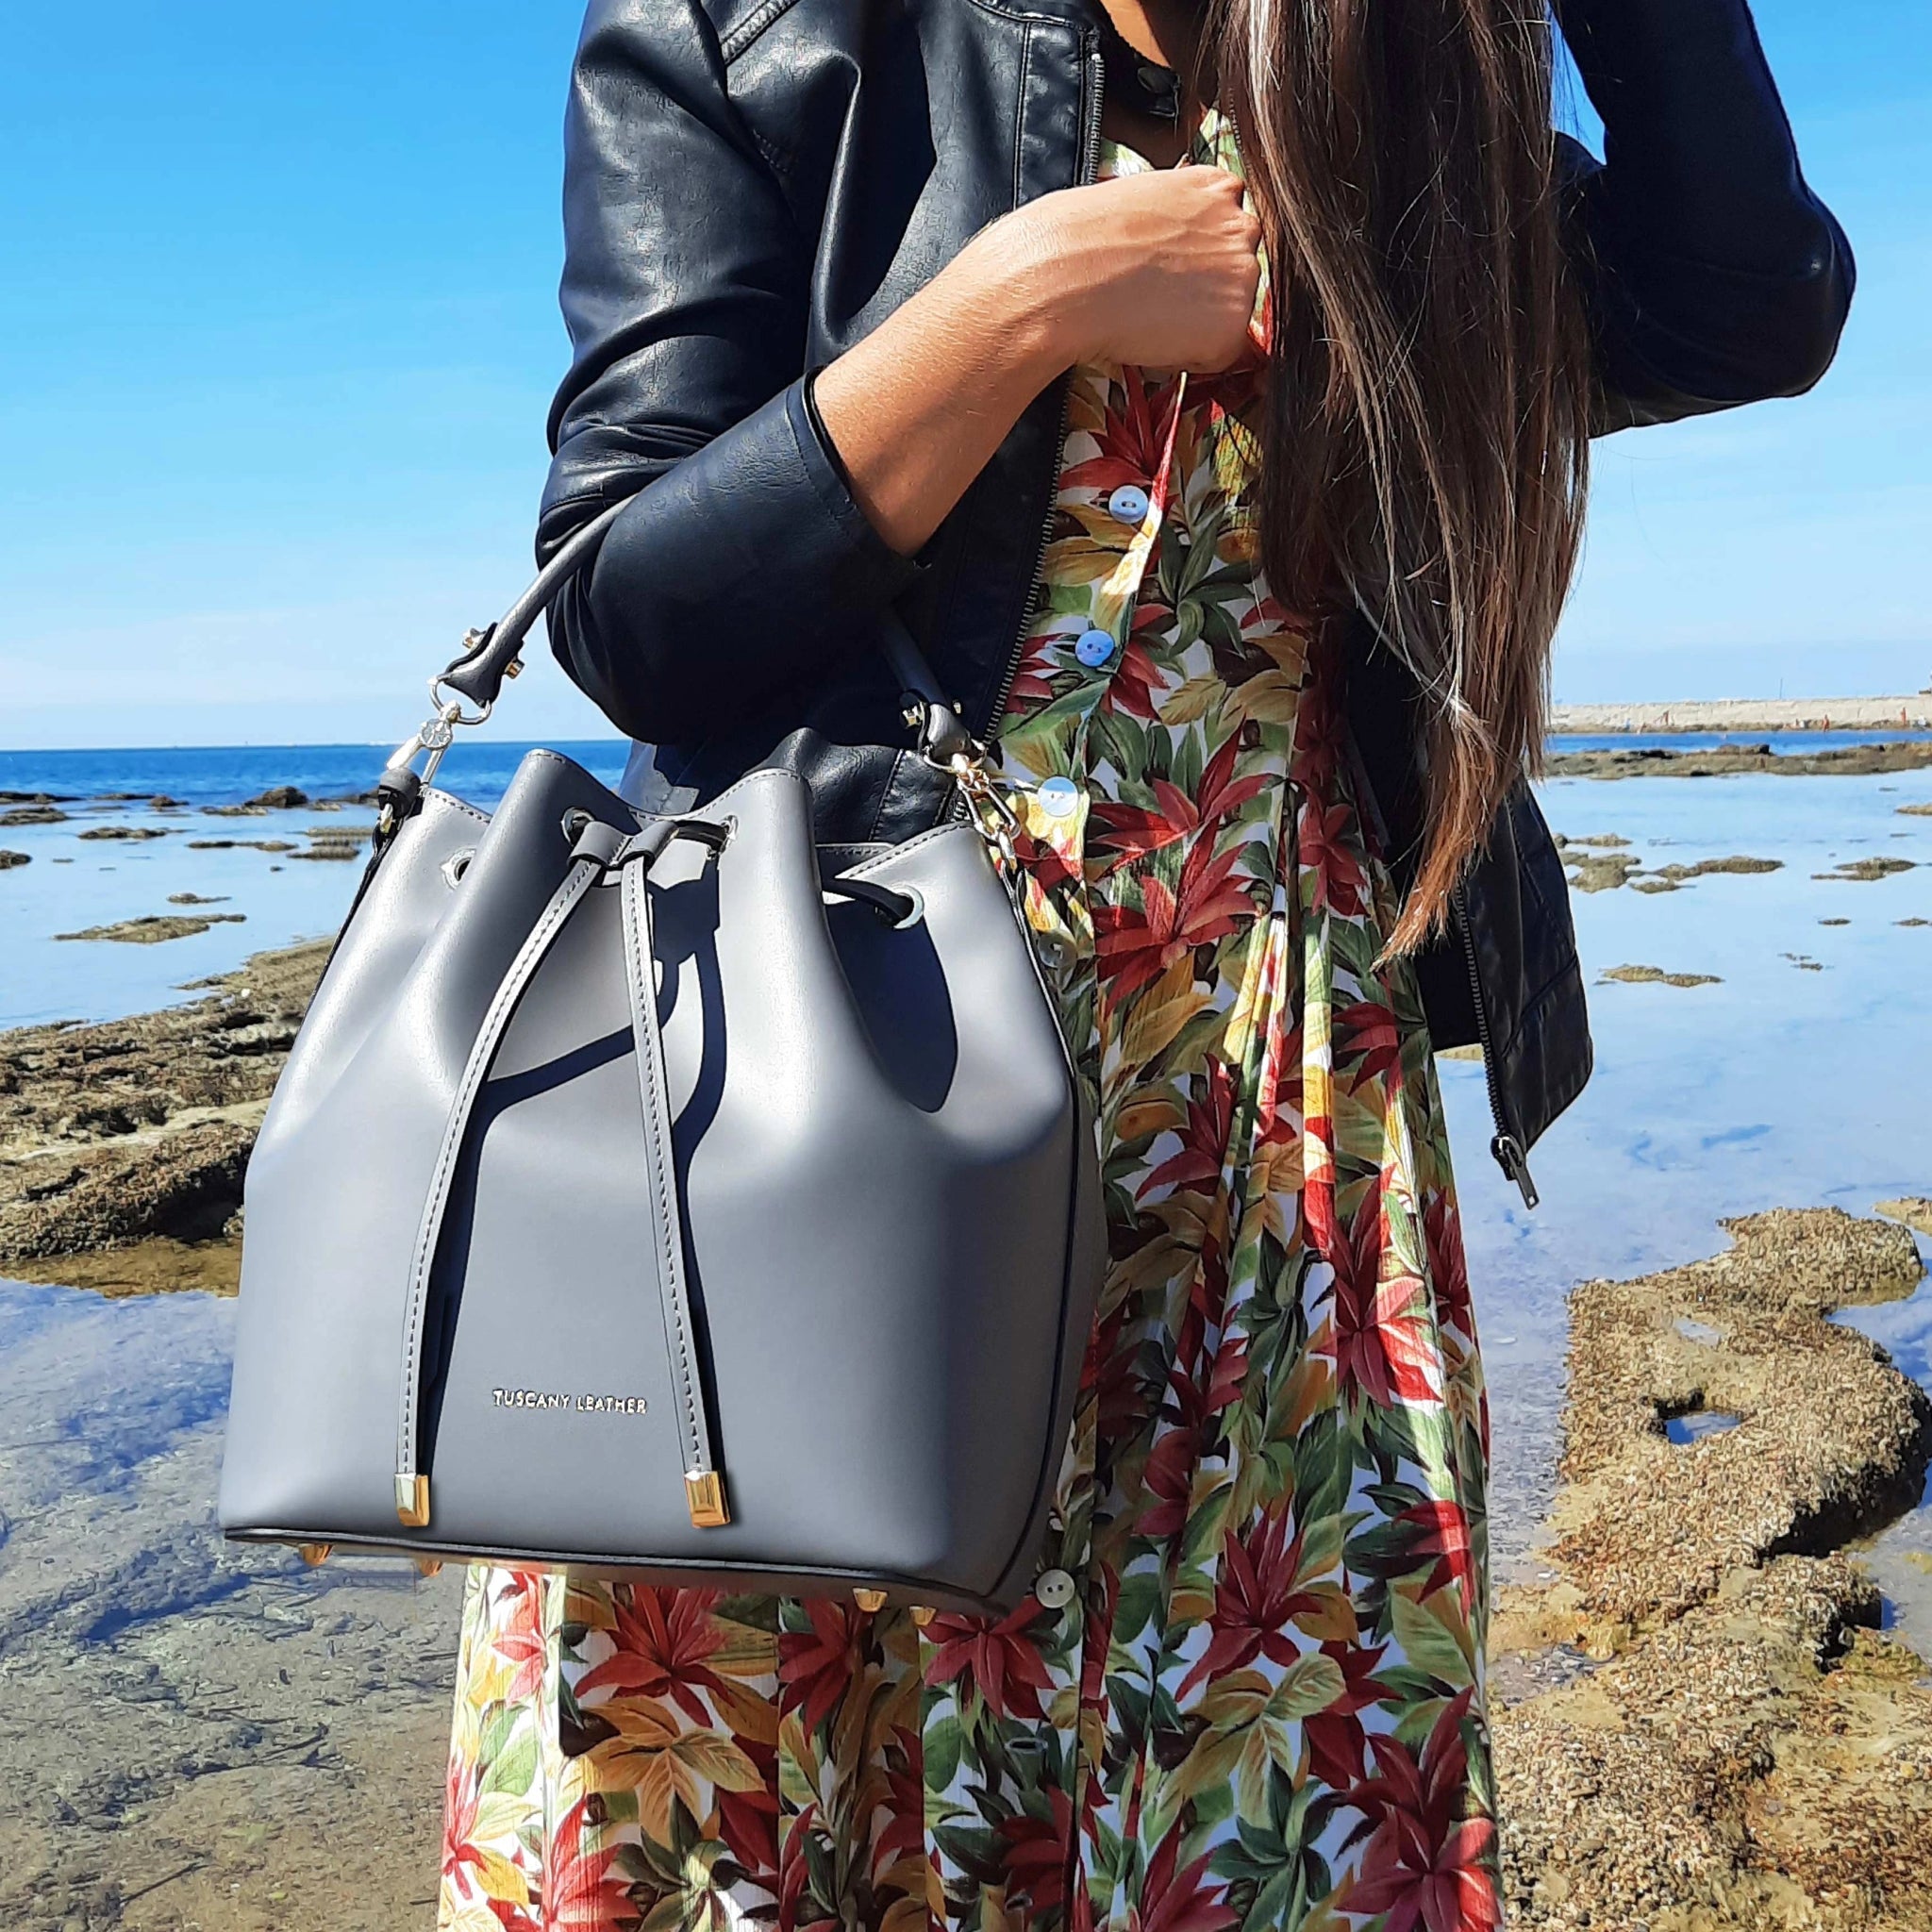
column 1158, row 269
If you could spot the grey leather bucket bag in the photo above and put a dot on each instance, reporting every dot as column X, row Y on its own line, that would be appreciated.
column 669, row 1198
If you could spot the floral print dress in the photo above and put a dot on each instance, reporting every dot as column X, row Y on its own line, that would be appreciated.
column 1246, row 1692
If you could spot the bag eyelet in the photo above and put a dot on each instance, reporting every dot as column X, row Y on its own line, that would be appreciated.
column 456, row 865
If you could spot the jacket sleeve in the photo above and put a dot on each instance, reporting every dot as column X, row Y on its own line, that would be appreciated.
column 1712, row 275
column 743, row 561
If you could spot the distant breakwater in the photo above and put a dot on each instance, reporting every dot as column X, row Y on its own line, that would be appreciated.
column 1911, row 713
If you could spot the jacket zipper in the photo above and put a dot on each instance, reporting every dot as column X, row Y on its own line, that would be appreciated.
column 1509, row 1151
column 1092, row 82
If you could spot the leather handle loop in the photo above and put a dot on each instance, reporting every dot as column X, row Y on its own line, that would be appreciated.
column 491, row 656
column 479, row 674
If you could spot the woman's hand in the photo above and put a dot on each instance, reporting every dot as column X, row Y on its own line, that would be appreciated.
column 1158, row 269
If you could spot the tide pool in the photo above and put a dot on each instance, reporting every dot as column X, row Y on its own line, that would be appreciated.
column 1801, row 1077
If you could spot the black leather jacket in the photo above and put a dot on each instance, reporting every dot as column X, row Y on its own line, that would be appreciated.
column 752, row 185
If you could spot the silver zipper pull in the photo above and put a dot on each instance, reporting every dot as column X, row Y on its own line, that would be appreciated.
column 1515, row 1163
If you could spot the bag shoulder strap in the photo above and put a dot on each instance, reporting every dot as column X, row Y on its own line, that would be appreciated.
column 494, row 655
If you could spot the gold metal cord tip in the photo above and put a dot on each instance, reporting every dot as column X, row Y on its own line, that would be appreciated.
column 412, row 1501
column 704, row 1492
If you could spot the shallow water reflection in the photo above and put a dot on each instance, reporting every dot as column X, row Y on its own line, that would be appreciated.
column 1782, row 1086
column 1789, row 1084
column 196, row 1728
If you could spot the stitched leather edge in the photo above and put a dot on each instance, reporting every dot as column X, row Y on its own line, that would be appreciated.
column 650, row 1066
column 482, row 1055
column 751, row 27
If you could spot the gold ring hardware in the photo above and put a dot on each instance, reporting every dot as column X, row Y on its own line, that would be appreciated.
column 922, row 1614
column 412, row 1501
column 427, row 1566
column 871, row 1601
column 314, row 1555
column 703, row 1494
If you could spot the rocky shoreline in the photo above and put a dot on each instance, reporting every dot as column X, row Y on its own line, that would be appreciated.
column 1727, row 761
column 125, row 1134
column 1698, row 1723
column 336, row 842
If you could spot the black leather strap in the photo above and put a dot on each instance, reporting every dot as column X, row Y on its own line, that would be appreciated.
column 479, row 674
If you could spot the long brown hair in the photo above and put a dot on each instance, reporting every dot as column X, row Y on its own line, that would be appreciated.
column 1426, row 440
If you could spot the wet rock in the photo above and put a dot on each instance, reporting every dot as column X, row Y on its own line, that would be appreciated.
column 1599, row 866
column 1756, row 1765
column 196, row 899
column 185, row 1185
column 125, row 832
column 1866, row 869
column 34, row 815
column 1655, row 976
column 152, row 929
column 1853, row 760
column 139, row 1129
column 10, row 859
column 1736, row 862
column 1750, row 1752
column 1602, row 872
column 237, row 844
column 276, row 798
column 1914, row 1211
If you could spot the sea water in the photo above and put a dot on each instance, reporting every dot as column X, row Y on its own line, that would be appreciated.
column 1801, row 1077
column 72, row 882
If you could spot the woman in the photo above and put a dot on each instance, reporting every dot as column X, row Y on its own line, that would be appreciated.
column 865, row 298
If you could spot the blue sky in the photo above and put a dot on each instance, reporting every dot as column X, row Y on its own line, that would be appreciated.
column 278, row 332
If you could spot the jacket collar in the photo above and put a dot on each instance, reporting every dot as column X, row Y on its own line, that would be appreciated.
column 1133, row 79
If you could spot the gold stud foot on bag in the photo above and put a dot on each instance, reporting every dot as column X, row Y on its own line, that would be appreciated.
column 314, row 1555
column 704, row 1492
column 871, row 1601
column 922, row 1614
column 412, row 1501
column 427, row 1566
